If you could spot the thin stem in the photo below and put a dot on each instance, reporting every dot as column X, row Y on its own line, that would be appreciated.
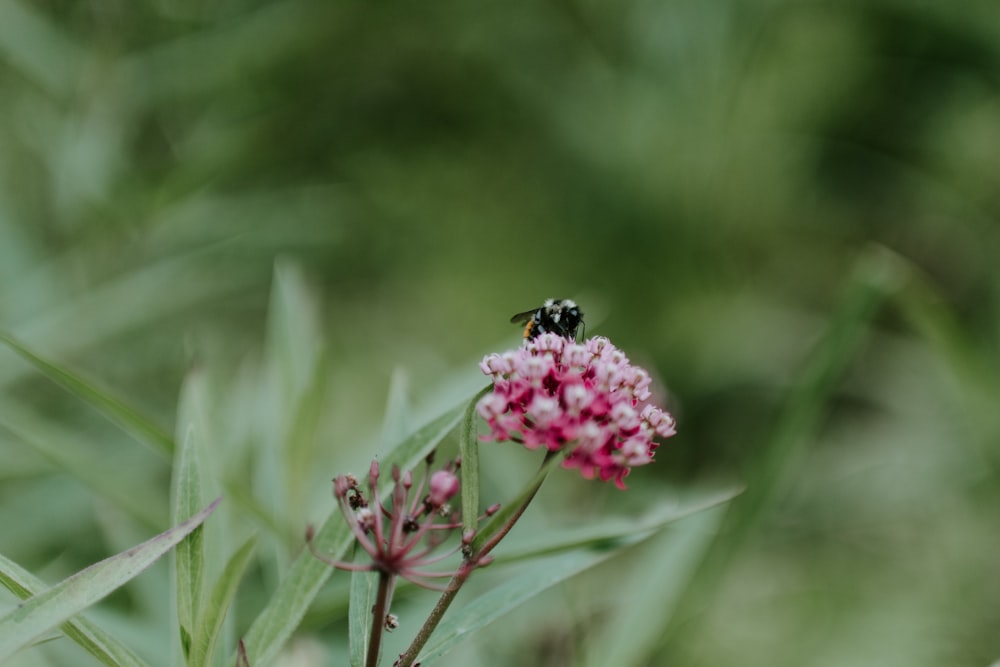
column 378, row 618
column 447, row 597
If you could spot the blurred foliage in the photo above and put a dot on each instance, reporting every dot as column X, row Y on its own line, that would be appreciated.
column 703, row 177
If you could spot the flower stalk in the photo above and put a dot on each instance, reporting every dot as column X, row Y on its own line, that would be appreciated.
column 379, row 610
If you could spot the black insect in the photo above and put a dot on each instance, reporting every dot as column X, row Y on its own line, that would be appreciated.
column 560, row 316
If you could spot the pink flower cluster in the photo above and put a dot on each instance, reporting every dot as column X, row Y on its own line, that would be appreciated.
column 557, row 393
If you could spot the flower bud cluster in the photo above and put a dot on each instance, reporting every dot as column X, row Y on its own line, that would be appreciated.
column 401, row 534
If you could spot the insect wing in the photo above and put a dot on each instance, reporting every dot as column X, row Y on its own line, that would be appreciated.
column 521, row 318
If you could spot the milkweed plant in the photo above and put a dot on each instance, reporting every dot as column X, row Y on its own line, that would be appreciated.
column 411, row 518
column 584, row 404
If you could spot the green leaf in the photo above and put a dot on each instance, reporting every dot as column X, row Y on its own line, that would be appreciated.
column 87, row 634
column 297, row 375
column 48, row 609
column 189, row 557
column 468, row 445
column 634, row 626
column 84, row 460
column 219, row 600
column 544, row 574
column 112, row 408
column 500, row 521
column 396, row 420
column 597, row 533
column 364, row 587
column 275, row 624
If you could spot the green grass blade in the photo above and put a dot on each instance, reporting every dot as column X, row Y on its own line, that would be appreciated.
column 51, row 608
column 542, row 575
column 364, row 586
column 275, row 624
column 468, row 445
column 189, row 556
column 115, row 410
column 104, row 647
column 219, row 600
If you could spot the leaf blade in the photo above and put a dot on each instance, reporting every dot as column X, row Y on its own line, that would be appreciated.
column 114, row 409
column 516, row 591
column 69, row 597
column 364, row 586
column 213, row 613
column 189, row 556
column 91, row 637
column 468, row 447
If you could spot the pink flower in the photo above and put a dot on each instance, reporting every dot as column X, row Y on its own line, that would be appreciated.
column 555, row 393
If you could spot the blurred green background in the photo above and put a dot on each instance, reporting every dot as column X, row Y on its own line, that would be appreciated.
column 302, row 198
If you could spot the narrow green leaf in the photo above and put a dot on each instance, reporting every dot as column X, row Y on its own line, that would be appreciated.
column 364, row 587
column 219, row 600
column 84, row 632
column 542, row 575
column 643, row 607
column 189, row 557
column 396, row 419
column 112, row 408
column 275, row 624
column 498, row 521
column 297, row 375
column 85, row 461
column 468, row 445
column 596, row 533
column 69, row 597
column 300, row 441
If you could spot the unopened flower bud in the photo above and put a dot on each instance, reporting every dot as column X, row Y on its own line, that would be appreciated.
column 443, row 487
column 341, row 485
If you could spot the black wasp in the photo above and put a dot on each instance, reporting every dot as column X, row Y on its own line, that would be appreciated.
column 560, row 316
